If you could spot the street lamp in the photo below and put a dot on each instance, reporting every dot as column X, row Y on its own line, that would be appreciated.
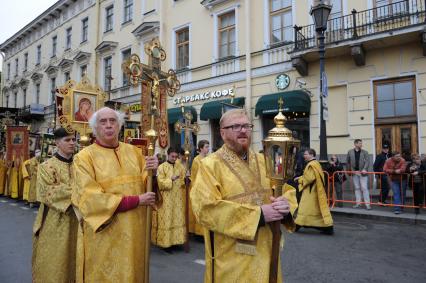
column 320, row 14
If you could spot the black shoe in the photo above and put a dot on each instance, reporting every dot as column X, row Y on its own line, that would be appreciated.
column 297, row 228
column 327, row 230
column 168, row 250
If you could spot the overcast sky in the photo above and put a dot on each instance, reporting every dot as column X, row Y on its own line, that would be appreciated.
column 15, row 14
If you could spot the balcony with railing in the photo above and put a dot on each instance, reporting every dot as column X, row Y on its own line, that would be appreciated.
column 30, row 112
column 405, row 19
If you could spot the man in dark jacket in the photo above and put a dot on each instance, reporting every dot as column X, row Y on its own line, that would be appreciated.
column 382, row 178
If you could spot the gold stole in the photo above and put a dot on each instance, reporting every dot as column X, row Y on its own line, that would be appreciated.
column 248, row 175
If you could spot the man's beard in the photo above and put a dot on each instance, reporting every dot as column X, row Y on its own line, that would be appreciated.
column 237, row 147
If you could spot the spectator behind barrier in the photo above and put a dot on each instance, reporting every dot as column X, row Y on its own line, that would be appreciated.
column 333, row 166
column 382, row 178
column 395, row 168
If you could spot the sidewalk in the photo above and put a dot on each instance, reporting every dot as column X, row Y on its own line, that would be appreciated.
column 383, row 214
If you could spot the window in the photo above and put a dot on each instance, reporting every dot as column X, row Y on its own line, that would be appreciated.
column 227, row 39
column 25, row 61
column 109, row 16
column 386, row 8
column 84, row 29
column 25, row 96
column 68, row 39
column 15, row 99
column 8, row 71
column 281, row 21
column 38, row 56
column 52, row 90
column 182, row 48
column 335, row 18
column 83, row 71
column 128, row 11
column 395, row 99
column 126, row 55
column 16, row 67
column 7, row 100
column 37, row 93
column 67, row 76
column 54, row 45
column 107, row 73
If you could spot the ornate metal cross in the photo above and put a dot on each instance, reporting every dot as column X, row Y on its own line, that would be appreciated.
column 155, row 84
column 188, row 129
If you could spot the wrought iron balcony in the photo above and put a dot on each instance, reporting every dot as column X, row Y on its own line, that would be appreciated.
column 32, row 111
column 392, row 17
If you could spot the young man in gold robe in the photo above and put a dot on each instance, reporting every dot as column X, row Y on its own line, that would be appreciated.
column 168, row 222
column 203, row 150
column 55, row 228
column 13, row 178
column 29, row 173
column 3, row 174
column 111, row 197
column 313, row 209
column 232, row 199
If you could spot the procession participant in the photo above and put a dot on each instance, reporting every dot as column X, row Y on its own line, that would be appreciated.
column 111, row 197
column 203, row 149
column 232, row 199
column 3, row 173
column 13, row 178
column 29, row 172
column 168, row 225
column 313, row 209
column 55, row 228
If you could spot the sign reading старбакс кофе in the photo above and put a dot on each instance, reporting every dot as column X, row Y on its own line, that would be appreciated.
column 203, row 96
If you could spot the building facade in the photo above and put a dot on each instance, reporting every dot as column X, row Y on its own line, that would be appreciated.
column 250, row 52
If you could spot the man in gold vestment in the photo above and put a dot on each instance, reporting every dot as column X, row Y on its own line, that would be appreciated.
column 3, row 174
column 203, row 149
column 111, row 197
column 313, row 209
column 168, row 222
column 232, row 199
column 55, row 228
column 29, row 173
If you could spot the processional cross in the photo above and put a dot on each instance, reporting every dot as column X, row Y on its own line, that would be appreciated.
column 188, row 129
column 155, row 84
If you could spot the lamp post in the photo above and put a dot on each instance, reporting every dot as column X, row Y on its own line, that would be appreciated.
column 320, row 13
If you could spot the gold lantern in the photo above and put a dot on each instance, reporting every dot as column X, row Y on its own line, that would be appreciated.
column 280, row 149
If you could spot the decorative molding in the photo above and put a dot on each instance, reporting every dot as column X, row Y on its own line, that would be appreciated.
column 36, row 77
column 51, row 71
column 146, row 28
column 82, row 56
column 65, row 64
column 237, row 76
column 106, row 46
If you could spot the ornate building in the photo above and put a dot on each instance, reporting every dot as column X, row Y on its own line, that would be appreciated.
column 256, row 50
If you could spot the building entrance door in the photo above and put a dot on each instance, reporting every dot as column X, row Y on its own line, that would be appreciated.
column 399, row 137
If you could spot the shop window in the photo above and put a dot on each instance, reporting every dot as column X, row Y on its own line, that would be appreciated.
column 299, row 126
column 217, row 141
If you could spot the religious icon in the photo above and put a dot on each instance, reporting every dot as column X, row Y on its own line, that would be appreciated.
column 129, row 134
column 84, row 105
column 17, row 138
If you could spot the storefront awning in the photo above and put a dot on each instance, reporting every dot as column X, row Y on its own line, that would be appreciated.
column 294, row 101
column 174, row 114
column 213, row 109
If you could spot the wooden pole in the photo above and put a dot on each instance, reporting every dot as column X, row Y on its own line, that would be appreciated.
column 276, row 238
column 151, row 134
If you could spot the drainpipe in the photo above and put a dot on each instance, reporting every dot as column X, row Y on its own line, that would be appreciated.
column 248, row 59
column 161, row 8
column 98, row 19
column 2, row 80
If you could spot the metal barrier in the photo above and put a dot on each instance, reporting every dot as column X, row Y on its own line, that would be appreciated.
column 406, row 183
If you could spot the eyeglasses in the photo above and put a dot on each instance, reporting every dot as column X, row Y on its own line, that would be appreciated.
column 239, row 127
